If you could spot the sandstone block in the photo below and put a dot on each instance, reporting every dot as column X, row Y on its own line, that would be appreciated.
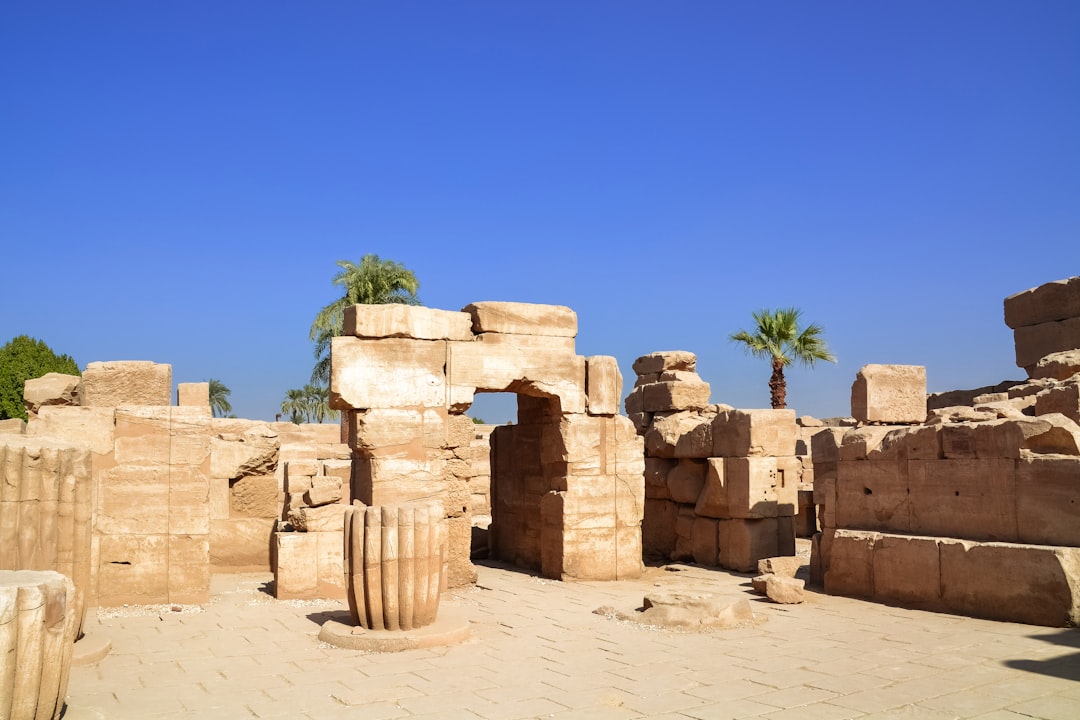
column 395, row 372
column 194, row 394
column 13, row 426
column 324, row 491
column 704, row 539
column 328, row 518
column 1034, row 584
column 522, row 318
column 635, row 402
column 1058, row 300
column 958, row 441
column 684, row 532
column 686, row 434
column 784, row 590
column 243, row 456
column 686, row 480
column 890, row 394
column 906, row 570
column 133, row 569
column 744, row 542
column 1047, row 495
column 667, row 396
column 784, row 566
column 1063, row 399
column 241, row 544
column 848, row 563
column 971, row 499
column 859, row 443
column 603, row 385
column 406, row 321
column 742, row 433
column 656, row 472
column 495, row 365
column 189, row 569
column 825, row 445
column 51, row 389
column 256, row 496
column 296, row 570
column 658, row 529
column 1058, row 366
column 1034, row 342
column 658, row 362
column 110, row 384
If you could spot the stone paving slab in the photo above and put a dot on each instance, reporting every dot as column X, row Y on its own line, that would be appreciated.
column 538, row 651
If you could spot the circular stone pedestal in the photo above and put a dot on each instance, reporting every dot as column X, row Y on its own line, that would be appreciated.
column 450, row 628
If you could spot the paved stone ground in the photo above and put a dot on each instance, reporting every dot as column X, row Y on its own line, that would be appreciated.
column 538, row 651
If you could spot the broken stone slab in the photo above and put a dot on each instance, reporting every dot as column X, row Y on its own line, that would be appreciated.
column 406, row 321
column 51, row 389
column 1034, row 342
column 658, row 362
column 1057, row 366
column 686, row 434
column 1063, row 399
column 603, row 385
column 783, row 566
column 134, row 382
column 692, row 611
column 328, row 518
column 784, row 590
column 323, row 491
column 1057, row 300
column 522, row 318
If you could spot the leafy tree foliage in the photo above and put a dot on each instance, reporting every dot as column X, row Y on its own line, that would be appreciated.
column 219, row 398
column 310, row 403
column 778, row 339
column 25, row 358
column 372, row 281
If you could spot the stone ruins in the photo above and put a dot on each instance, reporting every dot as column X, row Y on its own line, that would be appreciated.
column 964, row 501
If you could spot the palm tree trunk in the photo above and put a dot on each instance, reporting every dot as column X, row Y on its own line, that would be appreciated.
column 778, row 385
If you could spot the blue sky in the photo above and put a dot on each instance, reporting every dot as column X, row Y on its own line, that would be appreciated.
column 177, row 180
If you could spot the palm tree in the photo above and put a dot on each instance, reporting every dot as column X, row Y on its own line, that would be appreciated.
column 372, row 281
column 777, row 338
column 318, row 403
column 294, row 405
column 219, row 398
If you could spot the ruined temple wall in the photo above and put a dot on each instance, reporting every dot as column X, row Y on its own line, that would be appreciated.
column 407, row 375
column 973, row 510
column 721, row 485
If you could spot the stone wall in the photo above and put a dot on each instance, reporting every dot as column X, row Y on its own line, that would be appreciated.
column 973, row 511
column 721, row 485
column 1044, row 320
column 566, row 487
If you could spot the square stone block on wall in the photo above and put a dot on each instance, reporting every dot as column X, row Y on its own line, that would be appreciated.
column 889, row 394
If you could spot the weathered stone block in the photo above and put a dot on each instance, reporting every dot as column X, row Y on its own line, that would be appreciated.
column 522, row 318
column 906, row 570
column 1051, row 301
column 395, row 372
column 406, row 321
column 256, row 496
column 243, row 456
column 241, row 544
column 686, row 480
column 133, row 568
column 704, row 539
column 889, row 394
column 603, row 385
column 189, row 569
column 848, row 560
column 658, row 362
column 683, row 434
column 656, row 472
column 741, row 433
column 658, row 529
column 667, row 396
column 1034, row 342
column 1063, row 399
column 825, row 445
column 971, row 499
column 744, row 542
column 51, row 389
column 1048, row 500
column 110, row 384
column 296, row 567
column 1057, row 366
column 193, row 394
column 493, row 364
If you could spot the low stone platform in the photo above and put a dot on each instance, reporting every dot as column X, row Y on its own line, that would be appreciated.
column 450, row 628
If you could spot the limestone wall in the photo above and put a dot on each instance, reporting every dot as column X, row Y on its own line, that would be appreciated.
column 721, row 485
column 566, row 486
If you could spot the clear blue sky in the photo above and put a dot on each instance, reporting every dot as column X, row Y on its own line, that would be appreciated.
column 178, row 179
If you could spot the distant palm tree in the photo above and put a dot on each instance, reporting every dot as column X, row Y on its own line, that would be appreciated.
column 219, row 398
column 778, row 339
column 318, row 403
column 294, row 405
column 372, row 281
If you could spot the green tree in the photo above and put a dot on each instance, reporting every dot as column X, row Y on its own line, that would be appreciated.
column 294, row 405
column 778, row 339
column 372, row 281
column 318, row 403
column 25, row 358
column 219, row 398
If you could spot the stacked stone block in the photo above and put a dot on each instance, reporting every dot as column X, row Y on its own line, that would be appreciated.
column 721, row 485
column 406, row 376
column 973, row 511
column 1044, row 320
